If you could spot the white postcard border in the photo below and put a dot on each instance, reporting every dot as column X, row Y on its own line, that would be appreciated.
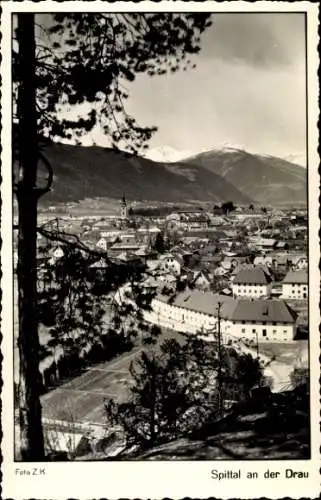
column 158, row 479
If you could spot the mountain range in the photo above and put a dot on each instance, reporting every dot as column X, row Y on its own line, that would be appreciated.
column 167, row 154
column 266, row 179
column 215, row 176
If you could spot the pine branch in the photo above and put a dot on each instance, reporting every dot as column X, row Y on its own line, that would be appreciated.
column 41, row 191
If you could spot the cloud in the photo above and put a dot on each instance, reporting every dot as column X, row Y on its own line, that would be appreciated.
column 248, row 88
column 257, row 39
column 223, row 101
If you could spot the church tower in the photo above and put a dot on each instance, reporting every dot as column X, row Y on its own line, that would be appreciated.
column 123, row 208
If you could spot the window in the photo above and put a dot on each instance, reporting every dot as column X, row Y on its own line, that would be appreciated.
column 274, row 331
column 253, row 330
column 243, row 330
column 285, row 331
column 264, row 332
column 243, row 322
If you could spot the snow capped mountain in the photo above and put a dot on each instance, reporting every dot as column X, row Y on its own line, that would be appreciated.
column 167, row 154
column 297, row 158
column 228, row 146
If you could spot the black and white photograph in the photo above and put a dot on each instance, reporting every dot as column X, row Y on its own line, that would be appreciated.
column 161, row 254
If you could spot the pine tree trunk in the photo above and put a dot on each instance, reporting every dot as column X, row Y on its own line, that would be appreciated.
column 31, row 434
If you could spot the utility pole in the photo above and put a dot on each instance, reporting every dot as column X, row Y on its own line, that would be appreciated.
column 219, row 372
column 216, row 330
column 257, row 354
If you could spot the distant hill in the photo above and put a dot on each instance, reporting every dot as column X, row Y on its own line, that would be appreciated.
column 94, row 172
column 266, row 179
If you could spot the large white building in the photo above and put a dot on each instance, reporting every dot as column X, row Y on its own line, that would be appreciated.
column 295, row 285
column 252, row 282
column 262, row 320
column 195, row 312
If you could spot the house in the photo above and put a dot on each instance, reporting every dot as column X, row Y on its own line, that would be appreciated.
column 99, row 264
column 281, row 245
column 265, row 260
column 229, row 262
column 252, row 282
column 55, row 254
column 299, row 262
column 240, row 263
column 221, row 270
column 281, row 261
column 102, row 244
column 119, row 248
column 171, row 264
column 266, row 243
column 199, row 279
column 295, row 285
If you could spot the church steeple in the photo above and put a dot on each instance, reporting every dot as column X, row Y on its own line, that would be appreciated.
column 123, row 208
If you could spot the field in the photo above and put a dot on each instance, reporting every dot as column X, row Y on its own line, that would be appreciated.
column 82, row 399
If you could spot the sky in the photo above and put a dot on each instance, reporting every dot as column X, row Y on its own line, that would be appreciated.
column 248, row 90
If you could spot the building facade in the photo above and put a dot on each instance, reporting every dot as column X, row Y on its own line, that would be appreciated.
column 295, row 285
column 203, row 313
column 252, row 282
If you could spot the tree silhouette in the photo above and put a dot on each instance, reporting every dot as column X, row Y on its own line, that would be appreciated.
column 91, row 59
column 176, row 390
column 159, row 244
column 228, row 207
column 166, row 396
column 76, row 306
column 84, row 59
